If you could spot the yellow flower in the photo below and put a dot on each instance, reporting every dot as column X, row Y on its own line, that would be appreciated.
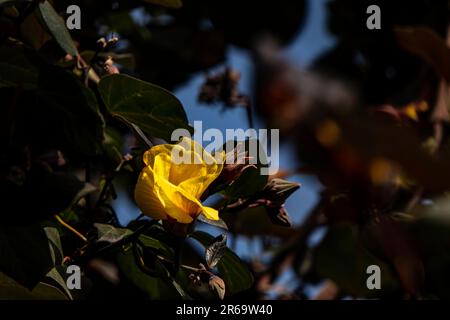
column 167, row 190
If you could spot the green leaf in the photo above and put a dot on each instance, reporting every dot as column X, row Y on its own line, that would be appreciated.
column 342, row 258
column 11, row 290
column 68, row 112
column 56, row 276
column 234, row 272
column 153, row 109
column 150, row 242
column 57, row 27
column 154, row 288
column 54, row 240
column 16, row 68
column 176, row 4
column 111, row 234
column 112, row 145
column 24, row 253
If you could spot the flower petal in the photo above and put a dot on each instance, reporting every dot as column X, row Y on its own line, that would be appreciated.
column 175, row 202
column 145, row 196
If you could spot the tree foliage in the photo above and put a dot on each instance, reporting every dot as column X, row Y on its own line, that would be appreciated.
column 369, row 119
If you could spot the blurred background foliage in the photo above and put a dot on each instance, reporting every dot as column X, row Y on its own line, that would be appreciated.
column 368, row 118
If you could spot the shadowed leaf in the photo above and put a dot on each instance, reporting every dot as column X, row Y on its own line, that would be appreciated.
column 153, row 109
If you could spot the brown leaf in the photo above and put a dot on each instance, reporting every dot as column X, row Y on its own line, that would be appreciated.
column 217, row 286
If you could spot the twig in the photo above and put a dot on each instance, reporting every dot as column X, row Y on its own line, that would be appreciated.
column 183, row 266
column 65, row 224
column 109, row 181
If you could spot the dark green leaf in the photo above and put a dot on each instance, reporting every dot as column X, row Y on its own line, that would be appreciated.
column 11, row 290
column 24, row 253
column 111, row 234
column 153, row 287
column 150, row 242
column 153, row 109
column 16, row 68
column 54, row 240
column 57, row 27
column 64, row 113
column 234, row 272
column 61, row 282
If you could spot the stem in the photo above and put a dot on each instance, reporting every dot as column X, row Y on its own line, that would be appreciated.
column 177, row 251
column 108, row 183
column 65, row 224
column 183, row 266
column 238, row 205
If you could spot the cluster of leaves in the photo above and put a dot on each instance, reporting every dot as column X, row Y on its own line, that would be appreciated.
column 66, row 112
column 369, row 119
